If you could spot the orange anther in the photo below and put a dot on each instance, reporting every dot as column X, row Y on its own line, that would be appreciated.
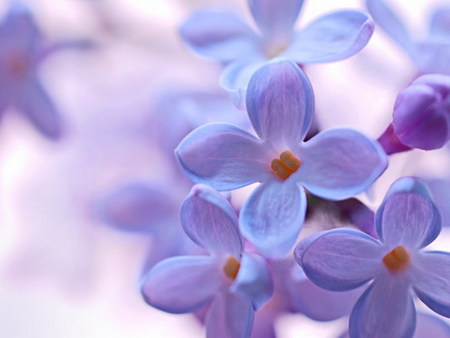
column 397, row 259
column 290, row 160
column 231, row 268
column 286, row 165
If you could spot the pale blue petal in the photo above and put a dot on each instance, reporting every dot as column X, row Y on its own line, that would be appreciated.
column 275, row 18
column 431, row 280
column 431, row 326
column 332, row 37
column 441, row 191
column 408, row 215
column 230, row 316
column 34, row 102
column 218, row 35
column 390, row 23
column 280, row 103
column 254, row 280
column 182, row 284
column 341, row 259
column 273, row 215
column 236, row 76
column 432, row 56
column 318, row 303
column 210, row 221
column 223, row 156
column 339, row 163
column 440, row 22
column 386, row 309
column 137, row 207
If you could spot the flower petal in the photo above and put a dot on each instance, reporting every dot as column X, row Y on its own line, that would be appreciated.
column 431, row 326
column 432, row 56
column 318, row 303
column 340, row 260
column 210, row 221
column 275, row 18
column 280, row 102
column 230, row 316
column 419, row 119
column 408, row 215
column 386, row 309
column 218, row 35
column 37, row 106
column 332, row 37
column 182, row 284
column 137, row 207
column 339, row 163
column 223, row 156
column 390, row 23
column 254, row 280
column 440, row 188
column 440, row 22
column 431, row 280
column 236, row 76
column 272, row 216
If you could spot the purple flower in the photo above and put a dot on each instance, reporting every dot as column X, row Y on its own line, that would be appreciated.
column 421, row 116
column 344, row 259
column 223, row 36
column 335, row 164
column 233, row 282
column 431, row 54
column 22, row 49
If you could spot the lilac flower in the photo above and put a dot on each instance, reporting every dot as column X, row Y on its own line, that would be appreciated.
column 430, row 54
column 344, row 259
column 335, row 164
column 223, row 36
column 22, row 49
column 233, row 282
column 421, row 116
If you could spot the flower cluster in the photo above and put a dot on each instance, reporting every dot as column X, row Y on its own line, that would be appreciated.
column 240, row 274
column 264, row 211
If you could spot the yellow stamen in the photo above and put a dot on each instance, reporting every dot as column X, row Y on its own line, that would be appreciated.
column 286, row 165
column 231, row 268
column 397, row 259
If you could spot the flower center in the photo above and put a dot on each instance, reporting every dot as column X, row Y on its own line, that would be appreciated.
column 286, row 165
column 17, row 64
column 231, row 268
column 397, row 259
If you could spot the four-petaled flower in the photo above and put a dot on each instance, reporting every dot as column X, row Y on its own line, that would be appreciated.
column 22, row 49
column 233, row 282
column 335, row 164
column 344, row 259
column 223, row 36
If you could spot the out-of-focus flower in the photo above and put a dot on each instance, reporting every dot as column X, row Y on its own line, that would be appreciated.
column 430, row 54
column 335, row 164
column 315, row 302
column 223, row 36
column 150, row 207
column 421, row 117
column 22, row 49
column 340, row 260
column 235, row 283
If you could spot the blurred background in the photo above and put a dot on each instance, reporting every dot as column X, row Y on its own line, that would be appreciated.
column 65, row 273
